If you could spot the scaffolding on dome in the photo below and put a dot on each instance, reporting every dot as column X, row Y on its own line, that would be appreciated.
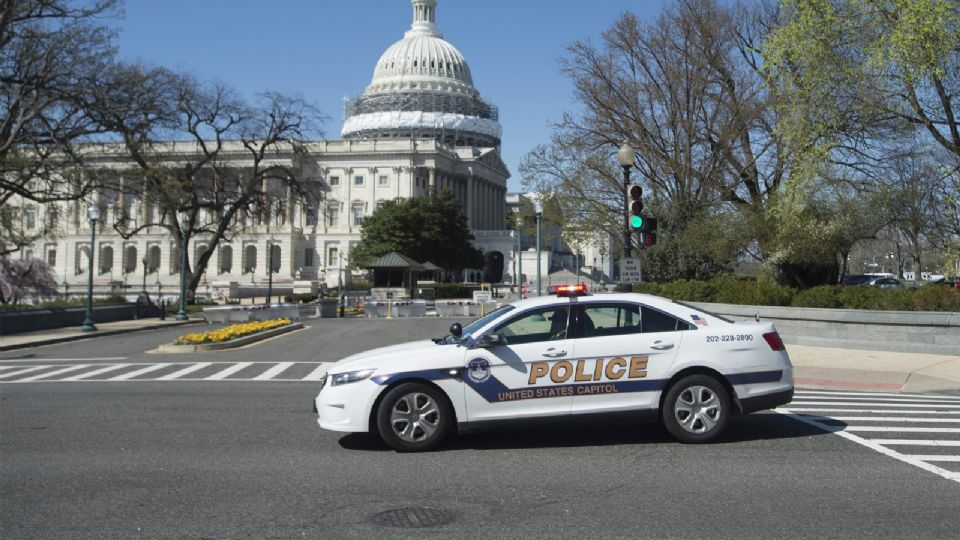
column 422, row 102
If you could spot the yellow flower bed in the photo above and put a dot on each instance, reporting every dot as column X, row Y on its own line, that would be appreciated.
column 231, row 332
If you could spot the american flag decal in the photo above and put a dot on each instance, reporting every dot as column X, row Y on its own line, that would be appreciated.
column 698, row 320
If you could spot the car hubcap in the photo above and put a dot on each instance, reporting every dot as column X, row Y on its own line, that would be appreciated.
column 415, row 417
column 697, row 409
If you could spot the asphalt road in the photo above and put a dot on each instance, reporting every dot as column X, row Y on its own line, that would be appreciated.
column 241, row 459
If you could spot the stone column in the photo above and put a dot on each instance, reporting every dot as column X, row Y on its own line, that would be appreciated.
column 468, row 202
column 433, row 180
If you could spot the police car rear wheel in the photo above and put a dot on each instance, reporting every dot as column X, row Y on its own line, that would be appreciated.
column 414, row 417
column 696, row 409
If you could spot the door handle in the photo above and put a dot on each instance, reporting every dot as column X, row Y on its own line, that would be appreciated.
column 557, row 354
column 661, row 346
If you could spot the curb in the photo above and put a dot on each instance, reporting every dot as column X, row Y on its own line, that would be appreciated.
column 94, row 335
column 232, row 344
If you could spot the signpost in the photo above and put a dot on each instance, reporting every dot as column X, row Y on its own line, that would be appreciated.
column 630, row 271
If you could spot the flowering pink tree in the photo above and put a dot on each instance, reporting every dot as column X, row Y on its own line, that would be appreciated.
column 20, row 278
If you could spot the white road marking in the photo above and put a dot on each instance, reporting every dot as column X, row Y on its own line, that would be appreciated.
column 874, row 411
column 943, row 473
column 22, row 371
column 96, row 372
column 137, row 373
column 229, row 371
column 185, row 371
column 892, row 419
column 872, row 394
column 273, row 372
column 903, row 429
column 104, row 359
column 936, row 458
column 858, row 404
column 914, row 442
column 317, row 374
column 855, row 401
column 53, row 373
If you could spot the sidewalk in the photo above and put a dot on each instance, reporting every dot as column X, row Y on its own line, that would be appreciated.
column 73, row 333
column 822, row 367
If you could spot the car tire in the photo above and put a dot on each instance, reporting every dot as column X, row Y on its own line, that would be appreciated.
column 696, row 409
column 414, row 417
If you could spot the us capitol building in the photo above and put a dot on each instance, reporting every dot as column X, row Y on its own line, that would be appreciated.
column 419, row 127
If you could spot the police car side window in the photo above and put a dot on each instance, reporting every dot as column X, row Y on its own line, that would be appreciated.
column 658, row 321
column 610, row 320
column 540, row 325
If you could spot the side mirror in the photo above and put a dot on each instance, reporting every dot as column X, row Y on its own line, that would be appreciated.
column 489, row 341
column 456, row 330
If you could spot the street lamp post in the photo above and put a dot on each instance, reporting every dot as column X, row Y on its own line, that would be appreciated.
column 340, row 283
column 269, row 272
column 626, row 156
column 94, row 214
column 538, row 207
column 184, row 225
column 520, row 256
column 145, row 262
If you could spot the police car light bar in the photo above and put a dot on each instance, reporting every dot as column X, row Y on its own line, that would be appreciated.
column 568, row 290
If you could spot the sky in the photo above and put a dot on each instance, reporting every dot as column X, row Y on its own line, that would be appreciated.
column 324, row 51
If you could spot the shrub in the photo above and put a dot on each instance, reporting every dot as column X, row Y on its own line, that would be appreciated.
column 937, row 298
column 648, row 288
column 899, row 299
column 824, row 296
column 862, row 297
column 300, row 298
column 689, row 291
column 443, row 291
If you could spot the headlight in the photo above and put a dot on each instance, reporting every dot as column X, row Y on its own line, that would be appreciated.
column 350, row 377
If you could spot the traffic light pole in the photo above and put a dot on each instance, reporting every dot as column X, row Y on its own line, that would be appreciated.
column 627, row 251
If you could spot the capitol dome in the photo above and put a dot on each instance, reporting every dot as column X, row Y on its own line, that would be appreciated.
column 422, row 88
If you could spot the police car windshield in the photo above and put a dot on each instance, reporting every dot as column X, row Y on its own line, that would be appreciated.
column 476, row 325
column 701, row 310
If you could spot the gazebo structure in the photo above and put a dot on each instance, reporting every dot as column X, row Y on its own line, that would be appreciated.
column 395, row 271
column 433, row 271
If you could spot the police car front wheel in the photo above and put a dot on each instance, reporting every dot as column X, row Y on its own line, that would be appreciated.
column 414, row 417
column 696, row 409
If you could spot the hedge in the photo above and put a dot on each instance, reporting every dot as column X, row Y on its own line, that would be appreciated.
column 727, row 289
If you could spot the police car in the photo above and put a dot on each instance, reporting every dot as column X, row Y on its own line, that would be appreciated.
column 563, row 356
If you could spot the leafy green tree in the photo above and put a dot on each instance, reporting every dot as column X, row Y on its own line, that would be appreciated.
column 432, row 228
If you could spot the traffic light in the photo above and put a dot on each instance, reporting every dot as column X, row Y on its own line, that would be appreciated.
column 636, row 208
column 648, row 236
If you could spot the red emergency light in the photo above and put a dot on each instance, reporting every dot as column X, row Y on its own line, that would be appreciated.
column 569, row 290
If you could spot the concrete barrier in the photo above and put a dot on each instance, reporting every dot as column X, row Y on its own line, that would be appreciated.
column 399, row 308
column 463, row 308
column 235, row 314
column 898, row 331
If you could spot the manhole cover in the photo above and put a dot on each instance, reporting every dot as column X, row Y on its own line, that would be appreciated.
column 413, row 518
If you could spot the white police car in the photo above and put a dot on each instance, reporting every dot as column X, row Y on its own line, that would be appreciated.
column 564, row 356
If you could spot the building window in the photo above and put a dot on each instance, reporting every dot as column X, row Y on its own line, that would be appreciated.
column 333, row 254
column 358, row 214
column 312, row 217
column 226, row 260
column 333, row 215
column 130, row 260
column 384, row 181
column 308, row 255
column 334, row 180
column 28, row 255
column 106, row 260
column 52, row 217
column 52, row 258
column 30, row 216
column 153, row 254
column 358, row 180
column 250, row 260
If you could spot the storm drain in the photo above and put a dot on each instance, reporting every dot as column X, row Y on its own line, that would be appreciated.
column 413, row 518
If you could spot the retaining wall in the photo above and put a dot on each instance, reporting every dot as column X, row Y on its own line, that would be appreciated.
column 897, row 331
column 33, row 320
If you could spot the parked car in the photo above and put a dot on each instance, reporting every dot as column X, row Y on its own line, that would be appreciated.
column 855, row 279
column 885, row 282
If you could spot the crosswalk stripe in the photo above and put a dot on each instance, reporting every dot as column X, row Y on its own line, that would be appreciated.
column 185, row 371
column 873, row 411
column 872, row 394
column 229, row 371
column 875, row 400
column 892, row 419
column 914, row 442
column 53, row 373
column 903, row 429
column 137, row 373
column 936, row 458
column 273, row 372
column 96, row 372
column 22, row 371
column 317, row 374
column 859, row 404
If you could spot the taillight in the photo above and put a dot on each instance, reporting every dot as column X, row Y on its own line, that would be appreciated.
column 774, row 341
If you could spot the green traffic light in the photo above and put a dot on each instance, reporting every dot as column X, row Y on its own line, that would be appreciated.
column 636, row 222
